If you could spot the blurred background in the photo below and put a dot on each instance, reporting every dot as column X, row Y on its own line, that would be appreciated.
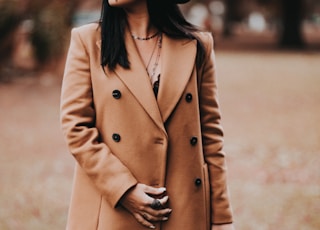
column 268, row 58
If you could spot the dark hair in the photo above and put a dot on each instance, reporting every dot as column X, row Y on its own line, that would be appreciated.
column 164, row 15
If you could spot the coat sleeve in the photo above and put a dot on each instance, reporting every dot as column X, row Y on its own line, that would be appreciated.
column 105, row 170
column 212, row 136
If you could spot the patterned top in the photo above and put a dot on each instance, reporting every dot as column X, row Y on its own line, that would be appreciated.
column 156, row 86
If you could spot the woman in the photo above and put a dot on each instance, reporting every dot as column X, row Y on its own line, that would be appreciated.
column 140, row 115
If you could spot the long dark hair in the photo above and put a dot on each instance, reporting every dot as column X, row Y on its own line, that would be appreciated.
column 164, row 15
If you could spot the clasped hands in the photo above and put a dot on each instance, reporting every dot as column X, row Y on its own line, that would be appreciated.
column 147, row 204
column 140, row 202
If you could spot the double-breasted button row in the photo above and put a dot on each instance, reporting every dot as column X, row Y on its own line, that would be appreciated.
column 116, row 137
column 189, row 97
column 116, row 94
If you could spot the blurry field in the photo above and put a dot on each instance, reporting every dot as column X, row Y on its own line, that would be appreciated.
column 271, row 114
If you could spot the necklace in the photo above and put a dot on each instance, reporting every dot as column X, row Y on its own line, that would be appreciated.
column 153, row 50
column 146, row 38
column 156, row 63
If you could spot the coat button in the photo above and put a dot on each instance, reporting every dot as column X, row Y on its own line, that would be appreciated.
column 116, row 94
column 189, row 97
column 193, row 141
column 116, row 137
column 198, row 182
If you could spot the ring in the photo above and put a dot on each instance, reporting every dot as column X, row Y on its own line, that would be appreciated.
column 156, row 204
column 145, row 216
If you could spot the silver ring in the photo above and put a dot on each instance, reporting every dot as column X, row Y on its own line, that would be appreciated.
column 156, row 204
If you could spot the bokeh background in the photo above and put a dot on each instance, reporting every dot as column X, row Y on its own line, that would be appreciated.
column 268, row 57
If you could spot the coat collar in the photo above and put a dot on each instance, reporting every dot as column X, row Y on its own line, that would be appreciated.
column 177, row 63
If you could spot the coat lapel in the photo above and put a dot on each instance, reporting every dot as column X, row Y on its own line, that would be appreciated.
column 177, row 63
column 138, row 81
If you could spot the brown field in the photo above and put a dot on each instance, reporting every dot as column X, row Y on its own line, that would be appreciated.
column 271, row 113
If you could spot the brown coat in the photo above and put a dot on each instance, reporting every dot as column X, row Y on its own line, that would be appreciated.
column 120, row 134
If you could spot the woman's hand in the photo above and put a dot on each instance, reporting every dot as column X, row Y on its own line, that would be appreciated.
column 138, row 202
column 223, row 227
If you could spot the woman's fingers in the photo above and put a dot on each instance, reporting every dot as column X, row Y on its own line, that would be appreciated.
column 158, row 204
column 138, row 202
column 159, row 214
column 154, row 191
column 164, row 200
column 140, row 218
column 156, row 215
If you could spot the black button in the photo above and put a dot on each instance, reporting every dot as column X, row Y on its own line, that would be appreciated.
column 189, row 97
column 198, row 182
column 116, row 137
column 193, row 141
column 116, row 94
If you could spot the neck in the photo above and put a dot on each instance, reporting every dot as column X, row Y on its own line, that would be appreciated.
column 139, row 21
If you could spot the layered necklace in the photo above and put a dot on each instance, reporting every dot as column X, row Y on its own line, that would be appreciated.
column 151, row 70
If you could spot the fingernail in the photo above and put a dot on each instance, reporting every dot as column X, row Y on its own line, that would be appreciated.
column 152, row 227
column 165, row 218
column 163, row 189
